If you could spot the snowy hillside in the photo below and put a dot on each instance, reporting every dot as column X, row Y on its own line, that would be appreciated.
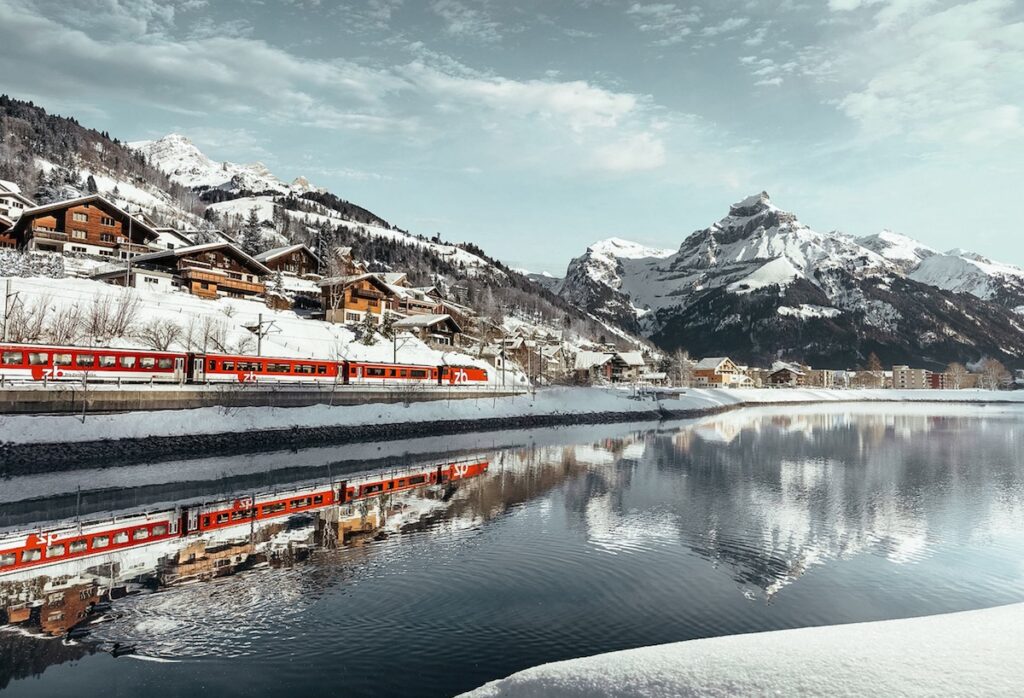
column 733, row 287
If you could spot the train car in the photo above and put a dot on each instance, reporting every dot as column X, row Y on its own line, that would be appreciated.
column 34, row 362
column 462, row 375
column 366, row 373
column 62, row 545
column 227, row 368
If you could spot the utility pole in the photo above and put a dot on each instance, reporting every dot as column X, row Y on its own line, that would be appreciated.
column 260, row 332
column 128, row 269
column 8, row 308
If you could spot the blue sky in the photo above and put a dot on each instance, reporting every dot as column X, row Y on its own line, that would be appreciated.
column 535, row 128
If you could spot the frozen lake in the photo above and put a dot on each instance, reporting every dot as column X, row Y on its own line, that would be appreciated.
column 576, row 541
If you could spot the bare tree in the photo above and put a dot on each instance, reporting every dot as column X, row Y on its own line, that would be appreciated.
column 65, row 327
column 682, row 368
column 994, row 375
column 122, row 317
column 956, row 375
column 26, row 323
column 160, row 333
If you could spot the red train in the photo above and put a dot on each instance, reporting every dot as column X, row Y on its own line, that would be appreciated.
column 61, row 545
column 60, row 363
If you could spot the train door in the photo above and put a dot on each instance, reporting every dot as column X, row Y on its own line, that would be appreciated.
column 179, row 369
column 342, row 494
column 189, row 520
column 198, row 369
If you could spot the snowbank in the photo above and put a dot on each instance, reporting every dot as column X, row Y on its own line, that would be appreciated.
column 971, row 653
column 551, row 401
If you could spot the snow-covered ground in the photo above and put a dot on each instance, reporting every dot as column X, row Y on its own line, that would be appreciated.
column 551, row 401
column 957, row 654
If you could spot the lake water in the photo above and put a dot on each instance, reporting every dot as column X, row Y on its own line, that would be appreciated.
column 576, row 541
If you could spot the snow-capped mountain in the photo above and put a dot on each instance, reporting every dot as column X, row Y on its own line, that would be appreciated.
column 761, row 285
column 188, row 166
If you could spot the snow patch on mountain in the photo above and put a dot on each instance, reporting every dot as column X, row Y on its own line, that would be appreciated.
column 900, row 249
column 778, row 272
column 185, row 164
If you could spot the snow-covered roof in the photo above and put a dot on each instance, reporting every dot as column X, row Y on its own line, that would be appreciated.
column 586, row 360
column 631, row 358
column 276, row 252
column 393, row 277
column 5, row 223
column 206, row 247
column 423, row 321
column 711, row 362
column 17, row 195
column 7, row 186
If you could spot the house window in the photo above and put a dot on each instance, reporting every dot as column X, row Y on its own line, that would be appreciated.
column 76, row 248
column 150, row 280
column 106, row 220
column 106, row 253
column 79, row 234
column 351, row 317
column 80, row 217
column 107, row 237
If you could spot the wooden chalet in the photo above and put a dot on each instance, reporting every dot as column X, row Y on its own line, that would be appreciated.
column 87, row 225
column 787, row 375
column 12, row 202
column 717, row 371
column 210, row 270
column 433, row 329
column 293, row 259
column 347, row 299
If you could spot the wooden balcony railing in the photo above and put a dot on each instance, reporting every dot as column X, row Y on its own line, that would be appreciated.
column 221, row 280
column 49, row 234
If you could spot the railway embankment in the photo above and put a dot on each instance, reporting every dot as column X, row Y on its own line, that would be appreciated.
column 42, row 443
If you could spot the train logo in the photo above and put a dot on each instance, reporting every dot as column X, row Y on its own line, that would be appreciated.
column 461, row 377
column 460, row 470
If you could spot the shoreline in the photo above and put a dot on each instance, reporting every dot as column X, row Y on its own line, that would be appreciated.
column 27, row 443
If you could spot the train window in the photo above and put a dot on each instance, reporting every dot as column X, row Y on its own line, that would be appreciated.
column 55, row 550
column 369, row 489
column 391, row 372
column 418, row 374
column 159, row 530
column 402, row 373
column 351, row 370
column 391, row 484
column 100, row 542
column 120, row 538
column 147, row 362
column 319, row 499
column 375, row 372
column 13, row 358
column 206, row 521
column 107, row 361
column 85, row 359
column 417, row 479
column 38, row 358
column 229, row 365
column 296, row 503
column 222, row 518
column 78, row 546
column 127, row 362
column 164, row 363
column 62, row 359
column 212, row 365
column 279, row 368
column 141, row 534
column 272, row 508
column 321, row 370
column 31, row 555
column 8, row 559
column 240, row 514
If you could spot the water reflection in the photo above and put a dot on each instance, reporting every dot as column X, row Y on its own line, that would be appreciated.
column 566, row 546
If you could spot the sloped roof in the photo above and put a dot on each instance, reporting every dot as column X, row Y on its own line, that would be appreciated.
column 17, row 195
column 425, row 321
column 5, row 224
column 632, row 358
column 176, row 233
column 95, row 199
column 206, row 247
column 586, row 360
column 711, row 362
column 276, row 252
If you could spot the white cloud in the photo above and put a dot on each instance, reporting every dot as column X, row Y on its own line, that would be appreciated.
column 637, row 152
column 726, row 26
column 667, row 19
column 468, row 22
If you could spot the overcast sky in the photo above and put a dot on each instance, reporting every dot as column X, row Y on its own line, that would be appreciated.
column 534, row 128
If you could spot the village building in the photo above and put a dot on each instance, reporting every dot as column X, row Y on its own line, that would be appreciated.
column 209, row 271
column 592, row 367
column 292, row 259
column 627, row 366
column 12, row 202
column 437, row 330
column 787, row 375
column 170, row 239
column 347, row 299
column 87, row 225
column 717, row 372
column 907, row 378
column 136, row 277
column 67, row 604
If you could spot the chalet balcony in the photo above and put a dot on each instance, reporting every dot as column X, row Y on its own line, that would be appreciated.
column 366, row 295
column 46, row 234
column 132, row 247
column 223, row 281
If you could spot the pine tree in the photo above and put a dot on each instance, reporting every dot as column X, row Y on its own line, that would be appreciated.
column 368, row 330
column 387, row 326
column 252, row 236
column 90, row 185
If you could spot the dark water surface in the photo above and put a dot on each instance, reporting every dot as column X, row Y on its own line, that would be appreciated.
column 587, row 542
